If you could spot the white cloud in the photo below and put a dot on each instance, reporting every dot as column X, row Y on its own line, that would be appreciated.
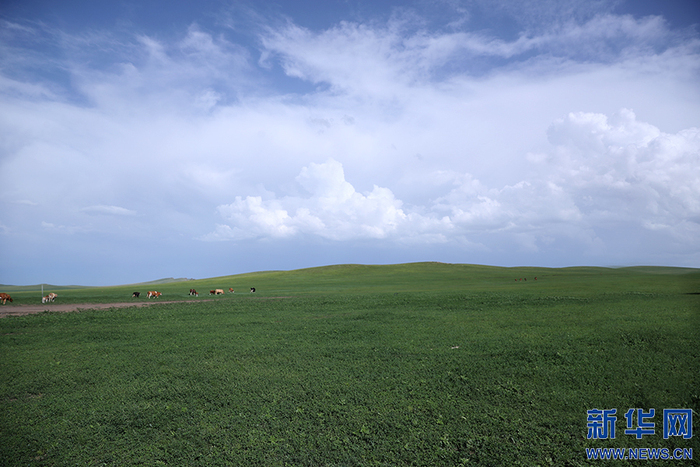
column 368, row 60
column 599, row 172
column 109, row 210
column 25, row 202
column 334, row 210
column 628, row 169
column 64, row 229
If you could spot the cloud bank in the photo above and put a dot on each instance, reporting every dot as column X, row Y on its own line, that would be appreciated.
column 601, row 173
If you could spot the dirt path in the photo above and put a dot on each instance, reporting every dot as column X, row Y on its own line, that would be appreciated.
column 21, row 310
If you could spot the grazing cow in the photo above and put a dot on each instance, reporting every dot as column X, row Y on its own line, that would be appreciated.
column 535, row 278
column 219, row 291
column 136, row 295
column 212, row 292
column 154, row 294
column 252, row 290
column 230, row 289
column 45, row 299
column 5, row 297
column 52, row 296
column 194, row 292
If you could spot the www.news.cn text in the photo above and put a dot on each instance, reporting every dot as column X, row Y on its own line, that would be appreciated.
column 639, row 453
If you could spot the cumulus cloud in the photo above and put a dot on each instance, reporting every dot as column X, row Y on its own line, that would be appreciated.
column 333, row 210
column 599, row 172
column 623, row 169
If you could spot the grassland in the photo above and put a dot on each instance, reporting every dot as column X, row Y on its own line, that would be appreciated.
column 416, row 364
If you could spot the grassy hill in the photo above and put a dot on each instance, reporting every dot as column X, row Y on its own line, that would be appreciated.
column 398, row 278
column 433, row 276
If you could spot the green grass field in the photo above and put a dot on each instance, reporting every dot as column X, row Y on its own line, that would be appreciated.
column 415, row 364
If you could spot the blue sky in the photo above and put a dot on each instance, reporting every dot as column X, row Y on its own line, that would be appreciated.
column 150, row 139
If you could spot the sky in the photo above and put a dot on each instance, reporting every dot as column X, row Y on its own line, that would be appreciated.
column 149, row 139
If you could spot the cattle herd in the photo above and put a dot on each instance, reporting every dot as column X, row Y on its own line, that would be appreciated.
column 230, row 290
column 151, row 294
column 193, row 292
column 49, row 298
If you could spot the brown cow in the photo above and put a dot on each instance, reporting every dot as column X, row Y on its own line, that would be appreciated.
column 230, row 289
column 49, row 298
column 5, row 297
column 219, row 291
column 212, row 292
column 153, row 294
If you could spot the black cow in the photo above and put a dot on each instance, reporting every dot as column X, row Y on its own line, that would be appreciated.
column 135, row 295
column 252, row 290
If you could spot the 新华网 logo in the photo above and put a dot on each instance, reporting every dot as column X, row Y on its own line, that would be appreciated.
column 676, row 423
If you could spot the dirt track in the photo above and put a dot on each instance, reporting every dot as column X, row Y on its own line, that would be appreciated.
column 21, row 310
